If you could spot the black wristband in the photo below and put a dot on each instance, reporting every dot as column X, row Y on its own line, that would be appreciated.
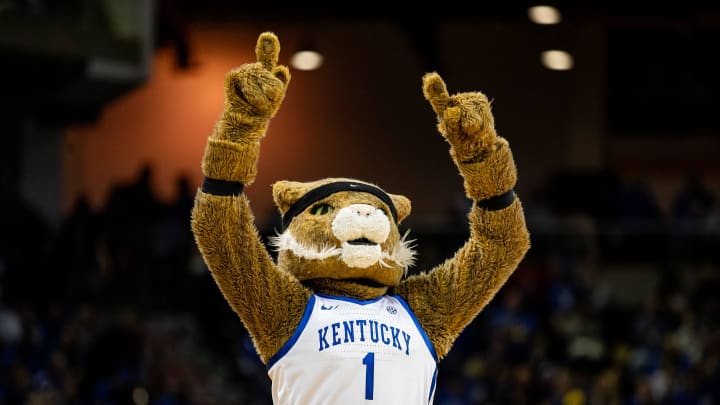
column 498, row 202
column 222, row 187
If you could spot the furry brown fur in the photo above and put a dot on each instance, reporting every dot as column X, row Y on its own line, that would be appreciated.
column 270, row 297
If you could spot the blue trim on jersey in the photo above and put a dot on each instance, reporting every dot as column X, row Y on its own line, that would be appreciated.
column 353, row 300
column 420, row 328
column 432, row 385
column 295, row 336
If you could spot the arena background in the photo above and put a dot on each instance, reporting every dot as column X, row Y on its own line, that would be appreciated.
column 106, row 107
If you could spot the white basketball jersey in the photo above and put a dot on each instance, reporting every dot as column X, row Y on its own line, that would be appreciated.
column 347, row 351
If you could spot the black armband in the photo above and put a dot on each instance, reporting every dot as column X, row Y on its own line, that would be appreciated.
column 498, row 202
column 222, row 187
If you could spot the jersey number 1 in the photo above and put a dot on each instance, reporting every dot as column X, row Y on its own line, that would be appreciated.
column 369, row 362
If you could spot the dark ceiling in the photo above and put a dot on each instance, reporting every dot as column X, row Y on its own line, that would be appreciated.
column 459, row 9
column 677, row 43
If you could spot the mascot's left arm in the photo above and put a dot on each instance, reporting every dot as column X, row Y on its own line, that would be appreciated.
column 446, row 299
column 269, row 302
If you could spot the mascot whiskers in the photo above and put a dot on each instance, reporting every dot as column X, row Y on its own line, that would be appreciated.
column 335, row 317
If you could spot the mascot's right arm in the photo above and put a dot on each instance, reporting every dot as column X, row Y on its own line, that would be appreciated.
column 269, row 302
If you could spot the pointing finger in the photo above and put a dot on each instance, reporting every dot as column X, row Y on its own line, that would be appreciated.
column 435, row 92
column 267, row 50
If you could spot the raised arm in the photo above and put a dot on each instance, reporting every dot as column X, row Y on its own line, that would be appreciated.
column 269, row 302
column 447, row 298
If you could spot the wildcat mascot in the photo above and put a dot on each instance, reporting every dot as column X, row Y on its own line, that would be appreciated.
column 335, row 317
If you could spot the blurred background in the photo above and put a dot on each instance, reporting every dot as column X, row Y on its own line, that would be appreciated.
column 611, row 109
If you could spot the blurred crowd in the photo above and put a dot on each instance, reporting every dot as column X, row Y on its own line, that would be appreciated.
column 116, row 307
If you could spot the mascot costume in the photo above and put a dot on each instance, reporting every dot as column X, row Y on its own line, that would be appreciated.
column 335, row 318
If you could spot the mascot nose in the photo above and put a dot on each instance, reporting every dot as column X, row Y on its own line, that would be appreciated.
column 363, row 210
column 358, row 221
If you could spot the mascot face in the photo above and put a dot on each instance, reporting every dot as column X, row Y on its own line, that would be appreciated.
column 341, row 236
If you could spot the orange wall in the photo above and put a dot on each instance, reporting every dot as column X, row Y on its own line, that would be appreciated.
column 164, row 123
column 331, row 123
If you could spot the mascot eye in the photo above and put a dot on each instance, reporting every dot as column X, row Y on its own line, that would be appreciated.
column 321, row 209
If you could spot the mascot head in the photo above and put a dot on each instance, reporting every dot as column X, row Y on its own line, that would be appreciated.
column 340, row 236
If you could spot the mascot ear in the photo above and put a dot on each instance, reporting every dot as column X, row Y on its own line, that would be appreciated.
column 285, row 193
column 402, row 205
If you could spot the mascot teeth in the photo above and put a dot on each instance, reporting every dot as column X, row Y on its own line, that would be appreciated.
column 362, row 255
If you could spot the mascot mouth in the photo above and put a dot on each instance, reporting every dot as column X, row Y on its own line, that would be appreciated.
column 361, row 241
column 358, row 252
column 361, row 253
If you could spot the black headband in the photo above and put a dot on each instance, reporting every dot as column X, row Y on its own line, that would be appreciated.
column 332, row 188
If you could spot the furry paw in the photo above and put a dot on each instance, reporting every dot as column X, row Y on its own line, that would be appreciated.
column 465, row 119
column 257, row 89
